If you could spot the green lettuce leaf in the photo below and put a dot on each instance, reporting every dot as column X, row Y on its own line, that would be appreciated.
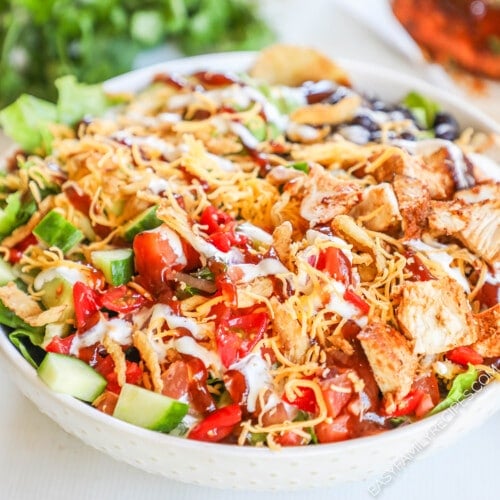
column 25, row 338
column 423, row 109
column 27, row 121
column 77, row 100
column 460, row 389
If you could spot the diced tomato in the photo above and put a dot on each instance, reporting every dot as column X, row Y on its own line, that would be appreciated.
column 290, row 438
column 337, row 392
column 199, row 395
column 464, row 355
column 221, row 229
column 60, row 345
column 488, row 294
column 216, row 220
column 214, row 79
column 156, row 257
column 408, row 404
column 86, row 302
column 217, row 425
column 133, row 375
column 121, row 299
column 417, row 268
column 16, row 253
column 334, row 262
column 220, row 240
column 236, row 385
column 429, row 385
column 305, row 400
column 356, row 301
column 237, row 336
column 339, row 429
column 425, row 406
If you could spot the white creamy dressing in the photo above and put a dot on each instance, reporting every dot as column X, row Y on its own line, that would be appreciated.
column 157, row 185
column 305, row 132
column 117, row 329
column 312, row 235
column 165, row 312
column 257, row 377
column 265, row 267
column 223, row 163
column 248, row 139
column 189, row 346
column 355, row 133
column 69, row 274
column 209, row 251
column 169, row 151
column 174, row 241
column 343, row 307
column 438, row 254
column 255, row 233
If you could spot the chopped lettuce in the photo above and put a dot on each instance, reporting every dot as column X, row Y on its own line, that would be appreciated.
column 28, row 120
column 424, row 110
column 460, row 389
column 77, row 100
column 15, row 213
column 25, row 338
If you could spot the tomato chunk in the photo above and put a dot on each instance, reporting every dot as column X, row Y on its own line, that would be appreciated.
column 218, row 425
column 237, row 336
column 60, row 345
column 464, row 355
column 86, row 304
column 121, row 299
column 158, row 253
column 335, row 262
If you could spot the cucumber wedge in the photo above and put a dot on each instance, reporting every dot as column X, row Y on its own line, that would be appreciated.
column 148, row 409
column 117, row 265
column 71, row 376
column 56, row 231
column 143, row 222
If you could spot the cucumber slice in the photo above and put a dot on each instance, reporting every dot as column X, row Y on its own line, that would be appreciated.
column 117, row 265
column 71, row 376
column 6, row 273
column 148, row 409
column 56, row 231
column 143, row 222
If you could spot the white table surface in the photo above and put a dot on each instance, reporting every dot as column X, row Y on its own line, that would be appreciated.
column 39, row 460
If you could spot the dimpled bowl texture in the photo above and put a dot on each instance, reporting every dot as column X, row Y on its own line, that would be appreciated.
column 233, row 467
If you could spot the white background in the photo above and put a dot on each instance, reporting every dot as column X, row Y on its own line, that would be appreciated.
column 39, row 460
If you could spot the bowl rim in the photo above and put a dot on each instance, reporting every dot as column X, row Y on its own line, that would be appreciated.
column 139, row 78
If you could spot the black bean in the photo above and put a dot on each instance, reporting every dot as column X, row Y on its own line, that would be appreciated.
column 407, row 136
column 445, row 126
column 366, row 122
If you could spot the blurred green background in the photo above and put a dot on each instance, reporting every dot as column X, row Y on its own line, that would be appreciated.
column 41, row 40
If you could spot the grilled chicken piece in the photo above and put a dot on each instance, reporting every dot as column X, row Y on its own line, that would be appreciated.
column 413, row 198
column 325, row 196
column 346, row 227
column 477, row 225
column 436, row 315
column 433, row 171
column 293, row 338
column 488, row 344
column 378, row 209
column 481, row 192
column 391, row 358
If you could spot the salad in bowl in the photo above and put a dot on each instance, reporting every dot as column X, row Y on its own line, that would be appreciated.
column 261, row 255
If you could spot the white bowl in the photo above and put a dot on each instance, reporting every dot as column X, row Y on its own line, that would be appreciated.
column 234, row 467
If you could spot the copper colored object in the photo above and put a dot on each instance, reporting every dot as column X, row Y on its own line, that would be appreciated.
column 463, row 33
